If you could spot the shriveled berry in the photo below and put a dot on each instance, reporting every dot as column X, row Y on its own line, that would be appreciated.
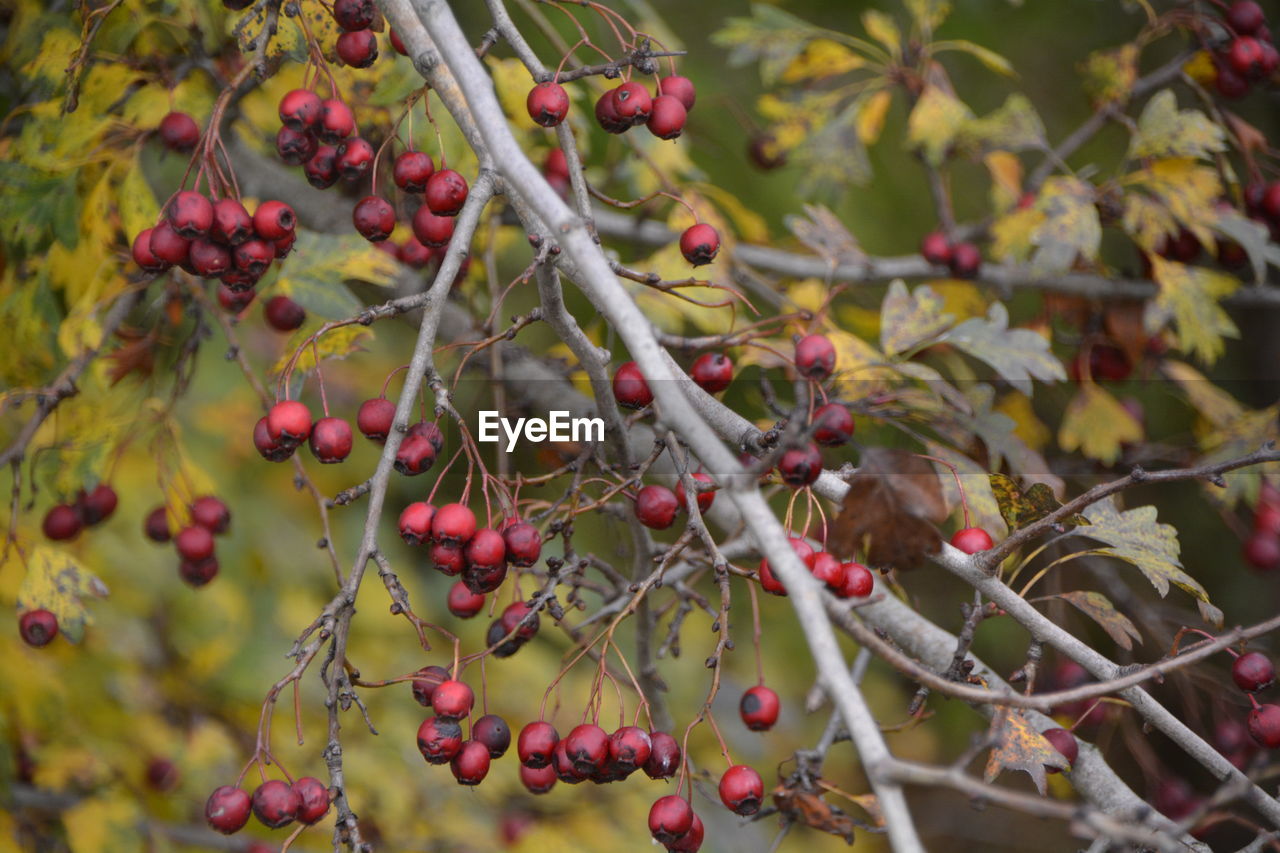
column 322, row 169
column 300, row 109
column 971, row 540
column 1253, row 671
column 276, row 804
column 375, row 418
column 462, row 602
column 1065, row 742
column 354, row 15
column 759, row 708
column 536, row 743
column 630, row 388
column 314, row 797
column 741, row 790
column 412, row 170
column 330, row 440
column 832, row 425
column 439, row 739
column 179, row 132
column 815, row 357
column 712, row 372
column 1245, row 57
column 336, row 122
column 656, row 507
column 492, row 731
column 664, row 756
column 669, row 818
column 800, row 466
column 289, row 420
column 227, row 810
column 295, row 147
column 699, row 244
column 452, row 699
column 211, row 514
column 358, row 49
column 427, row 680
column 548, row 103
column 446, row 192
column 38, row 627
column 471, row 764
column 374, row 218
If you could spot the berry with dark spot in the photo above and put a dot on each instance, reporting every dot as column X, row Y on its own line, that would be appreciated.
column 471, row 764
column 232, row 224
column 800, row 466
column 412, row 170
column 815, row 357
column 712, row 372
column 439, row 739
column 538, row 780
column 492, row 731
column 37, row 628
column 190, row 214
column 374, row 218
column 426, row 681
column 523, row 543
column 664, row 756
column 211, row 514
column 354, row 15
column 632, row 103
column 699, row 244
column 669, row 818
column 295, row 147
column 330, row 440
column 759, row 708
column 446, row 192
column 314, row 797
column 741, row 790
column 415, row 522
column 832, row 425
column 536, row 743
column 358, row 49
column 548, row 103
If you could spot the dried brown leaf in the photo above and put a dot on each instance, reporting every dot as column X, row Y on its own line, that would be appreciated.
column 894, row 502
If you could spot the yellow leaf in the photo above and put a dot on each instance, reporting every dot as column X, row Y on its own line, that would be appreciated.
column 871, row 115
column 56, row 581
column 56, row 51
column 809, row 294
column 1011, row 234
column 747, row 224
column 822, row 58
column 883, row 29
column 1027, row 426
column 936, row 119
column 102, row 824
column 1006, row 178
column 1191, row 296
column 336, row 343
column 1210, row 402
column 1096, row 424
column 1109, row 75
column 1201, row 68
column 138, row 207
column 512, row 81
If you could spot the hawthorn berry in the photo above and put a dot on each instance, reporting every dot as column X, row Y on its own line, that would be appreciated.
column 439, row 739
column 209, row 259
column 1264, row 725
column 355, row 158
column 680, row 88
column 197, row 573
column 232, row 301
column 1253, row 671
column 142, row 254
column 156, row 525
column 190, row 214
column 630, row 747
column 359, row 48
column 194, row 543
column 412, row 170
column 452, row 699
column 227, row 810
column 251, row 257
column 556, row 164
column 415, row 455
column 587, row 746
column 471, row 764
column 936, row 249
column 431, row 230
column 276, row 804
column 704, row 498
column 271, row 449
column 1065, row 742
column 800, row 466
column 538, row 780
column 667, row 117
column 274, row 220
column 656, row 506
column 815, row 357
column 548, row 103
column 523, row 543
column 664, row 756
column 759, row 708
column 565, row 770
column 741, row 790
column 232, row 224
column 832, row 425
column 162, row 775
column 336, row 122
column 448, row 558
column 699, row 244
column 375, row 418
column 167, row 247
column 607, row 115
column 289, row 421
column 513, row 619
column 536, row 743
column 179, row 132
column 374, row 218
column 354, row 15
column 300, row 109
column 971, row 540
column 1245, row 57
column 426, row 681
column 492, row 731
column 669, row 818
column 322, row 169
column 966, row 260
column 630, row 388
column 1245, row 17
column 313, row 796
column 828, row 569
column 330, row 440
column 446, row 192
column 462, row 602
column 454, row 524
column 295, row 147
column 38, row 628
column 413, row 254
column 211, row 514
column 691, row 841
column 712, row 372
column 769, row 583
column 858, row 581
column 483, row 578
column 1228, row 83
column 97, row 505
column 486, row 547
column 1262, row 551
column 415, row 522
column 1174, row 798
column 283, row 314
column 632, row 103
column 429, row 430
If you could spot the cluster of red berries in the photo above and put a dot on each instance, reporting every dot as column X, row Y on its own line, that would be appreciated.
column 210, row 517
column 480, row 554
column 1106, row 363
column 65, row 521
column 358, row 44
column 1262, row 548
column 1249, row 56
column 274, row 803
column 217, row 239
column 1253, row 672
column 962, row 259
column 845, row 580
column 288, row 424
column 623, row 107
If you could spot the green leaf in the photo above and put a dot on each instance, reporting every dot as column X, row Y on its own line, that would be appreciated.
column 1018, row 355
column 1015, row 126
column 313, row 275
column 1019, row 508
column 834, row 156
column 56, row 581
column 1099, row 608
column 936, row 119
column 1190, row 297
column 1137, row 538
column 908, row 319
column 1109, row 75
column 1097, row 425
column 1165, row 131
column 1071, row 228
column 992, row 60
column 770, row 36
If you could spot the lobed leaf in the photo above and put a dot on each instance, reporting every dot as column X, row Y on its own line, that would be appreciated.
column 1165, row 131
column 1097, row 425
column 1099, row 608
column 908, row 319
column 1017, row 355
column 1020, row 746
column 56, row 581
column 1190, row 296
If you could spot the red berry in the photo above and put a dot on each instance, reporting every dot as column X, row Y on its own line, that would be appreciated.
column 483, row 578
column 538, row 780
column 413, row 254
column 374, row 218
column 322, row 169
column 208, row 258
column 233, row 301
column 800, row 466
column 815, row 357
column 412, row 170
column 227, row 810
column 587, row 746
column 166, row 246
column 771, row 584
column 632, row 103
column 759, row 708
column 194, row 543
column 179, row 132
column 162, row 775
column 98, row 505
column 284, row 246
column 971, row 540
column 741, row 790
column 354, row 15
column 314, row 798
column 664, row 756
column 1264, row 725
column 37, row 628
column 630, row 388
column 462, row 602
column 295, row 147
column 1262, row 551
column 667, row 117
column 429, row 678
column 712, row 372
column 832, row 425
column 1245, row 57
column 1065, row 742
column 446, row 192
column 936, row 249
column 565, row 771
column 448, row 558
column 252, row 257
column 1253, row 671
column 523, row 543
column 829, row 570
column 375, row 418
column 156, row 526
column 548, row 104
column 699, row 244
column 274, row 220
column 514, row 618
column 691, row 841
column 358, row 49
column 283, row 314
column 190, row 214
column 656, row 507
column 330, row 440
column 705, row 499
column 486, row 548
column 452, row 699
column 142, row 254
column 355, row 158
column 536, row 743
column 669, row 818
column 1174, row 798
column 415, row 455
column 492, row 731
column 301, row 109
column 1228, row 83
column 271, row 449
column 454, row 524
column 432, row 230
column 197, row 573
column 430, row 431
column 630, row 747
column 289, row 421
column 1245, row 17
column 966, row 260
column 439, row 739
column 681, row 88
column 471, row 764
column 211, row 514
column 858, row 581
column 556, row 164
column 232, row 224
column 276, row 804
column 415, row 522
column 336, row 122
column 1270, row 205
column 607, row 114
